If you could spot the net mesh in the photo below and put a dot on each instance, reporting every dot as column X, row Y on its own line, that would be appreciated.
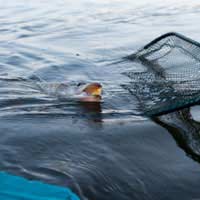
column 168, row 76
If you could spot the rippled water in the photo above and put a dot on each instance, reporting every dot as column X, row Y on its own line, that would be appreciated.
column 101, row 151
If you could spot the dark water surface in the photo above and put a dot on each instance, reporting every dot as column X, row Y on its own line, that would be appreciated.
column 105, row 151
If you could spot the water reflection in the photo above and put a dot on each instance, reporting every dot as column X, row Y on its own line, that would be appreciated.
column 184, row 129
column 93, row 110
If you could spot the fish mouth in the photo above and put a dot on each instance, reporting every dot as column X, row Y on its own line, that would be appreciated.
column 93, row 89
column 97, row 92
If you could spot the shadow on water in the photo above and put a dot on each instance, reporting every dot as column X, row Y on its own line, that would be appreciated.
column 184, row 129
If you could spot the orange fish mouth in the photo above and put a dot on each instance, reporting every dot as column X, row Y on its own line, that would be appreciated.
column 97, row 92
column 93, row 89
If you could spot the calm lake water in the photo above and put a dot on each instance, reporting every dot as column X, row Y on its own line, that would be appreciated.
column 106, row 151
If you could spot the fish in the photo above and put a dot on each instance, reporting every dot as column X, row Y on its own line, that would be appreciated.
column 83, row 92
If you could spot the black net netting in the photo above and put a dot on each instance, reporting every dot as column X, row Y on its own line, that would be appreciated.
column 167, row 76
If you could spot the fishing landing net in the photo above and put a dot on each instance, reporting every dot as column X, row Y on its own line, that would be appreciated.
column 167, row 76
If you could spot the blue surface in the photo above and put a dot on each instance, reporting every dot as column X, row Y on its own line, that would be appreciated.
column 18, row 188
